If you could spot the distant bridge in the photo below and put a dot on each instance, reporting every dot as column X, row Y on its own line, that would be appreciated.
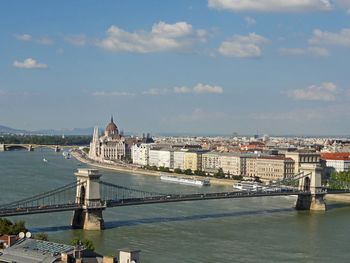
column 30, row 147
column 89, row 196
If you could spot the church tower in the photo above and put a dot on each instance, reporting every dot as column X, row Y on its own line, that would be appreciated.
column 94, row 145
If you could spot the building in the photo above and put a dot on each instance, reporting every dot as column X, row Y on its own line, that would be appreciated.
column 303, row 157
column 30, row 250
column 161, row 157
column 193, row 160
column 233, row 164
column 211, row 162
column 270, row 168
column 179, row 159
column 109, row 147
column 140, row 153
column 337, row 161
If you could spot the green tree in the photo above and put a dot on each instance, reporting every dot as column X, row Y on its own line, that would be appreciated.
column 220, row 174
column 9, row 228
column 42, row 236
column 178, row 171
column 87, row 243
column 339, row 180
column 188, row 172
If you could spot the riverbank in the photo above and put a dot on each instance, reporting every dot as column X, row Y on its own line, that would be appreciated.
column 338, row 198
column 139, row 171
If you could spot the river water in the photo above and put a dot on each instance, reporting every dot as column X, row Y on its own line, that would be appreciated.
column 244, row 230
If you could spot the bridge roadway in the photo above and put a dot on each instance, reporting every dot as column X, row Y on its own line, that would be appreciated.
column 171, row 198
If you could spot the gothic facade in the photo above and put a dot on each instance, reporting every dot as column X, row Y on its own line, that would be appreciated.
column 109, row 147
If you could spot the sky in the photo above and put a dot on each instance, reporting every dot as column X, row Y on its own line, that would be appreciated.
column 195, row 66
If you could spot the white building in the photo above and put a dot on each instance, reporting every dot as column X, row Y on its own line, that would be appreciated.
column 340, row 165
column 161, row 158
column 109, row 147
column 179, row 159
column 140, row 153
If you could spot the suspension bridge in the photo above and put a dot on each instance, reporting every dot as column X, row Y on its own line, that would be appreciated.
column 88, row 196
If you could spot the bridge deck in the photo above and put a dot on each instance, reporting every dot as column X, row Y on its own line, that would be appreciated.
column 141, row 201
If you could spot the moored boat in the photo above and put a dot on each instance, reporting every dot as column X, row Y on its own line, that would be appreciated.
column 188, row 181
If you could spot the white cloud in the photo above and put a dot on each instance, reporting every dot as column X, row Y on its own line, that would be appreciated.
column 163, row 37
column 44, row 41
column 199, row 89
column 341, row 38
column 344, row 4
column 155, row 92
column 271, row 5
column 249, row 21
column 29, row 63
column 327, row 91
column 243, row 46
column 112, row 94
column 23, row 37
column 314, row 51
column 77, row 40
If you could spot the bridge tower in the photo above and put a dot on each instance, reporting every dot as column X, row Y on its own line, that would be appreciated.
column 89, row 217
column 314, row 199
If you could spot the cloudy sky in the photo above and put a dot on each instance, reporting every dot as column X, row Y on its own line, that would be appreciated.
column 195, row 66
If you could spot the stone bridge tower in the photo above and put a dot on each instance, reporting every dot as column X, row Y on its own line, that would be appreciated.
column 312, row 183
column 89, row 217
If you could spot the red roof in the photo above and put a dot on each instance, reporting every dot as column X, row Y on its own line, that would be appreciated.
column 336, row 156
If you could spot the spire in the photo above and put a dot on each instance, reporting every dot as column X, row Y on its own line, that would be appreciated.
column 111, row 118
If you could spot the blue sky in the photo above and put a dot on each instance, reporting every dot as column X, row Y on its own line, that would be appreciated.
column 216, row 66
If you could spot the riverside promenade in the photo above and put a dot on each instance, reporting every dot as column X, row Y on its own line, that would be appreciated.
column 139, row 171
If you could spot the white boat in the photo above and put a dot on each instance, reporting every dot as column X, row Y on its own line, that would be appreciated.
column 66, row 155
column 44, row 160
column 248, row 186
column 188, row 181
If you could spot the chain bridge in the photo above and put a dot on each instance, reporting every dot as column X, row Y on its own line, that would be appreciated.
column 88, row 196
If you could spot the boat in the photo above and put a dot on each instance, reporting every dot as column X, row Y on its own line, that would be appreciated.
column 44, row 160
column 248, row 186
column 66, row 155
column 182, row 180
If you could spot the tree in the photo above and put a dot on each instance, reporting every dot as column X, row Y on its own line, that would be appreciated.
column 41, row 236
column 220, row 174
column 87, row 243
column 339, row 180
column 199, row 173
column 9, row 228
column 188, row 172
column 178, row 171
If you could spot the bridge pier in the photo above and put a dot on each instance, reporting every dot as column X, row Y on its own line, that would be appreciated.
column 2, row 147
column 30, row 148
column 313, row 198
column 89, row 217
column 57, row 149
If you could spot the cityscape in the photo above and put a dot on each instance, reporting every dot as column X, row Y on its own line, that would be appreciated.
column 174, row 131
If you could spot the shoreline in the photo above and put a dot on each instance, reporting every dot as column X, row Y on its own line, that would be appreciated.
column 139, row 171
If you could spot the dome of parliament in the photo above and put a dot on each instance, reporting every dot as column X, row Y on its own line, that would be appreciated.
column 111, row 128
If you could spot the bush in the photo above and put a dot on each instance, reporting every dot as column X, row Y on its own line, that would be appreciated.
column 188, row 172
column 178, row 171
column 41, row 236
column 87, row 243
column 9, row 228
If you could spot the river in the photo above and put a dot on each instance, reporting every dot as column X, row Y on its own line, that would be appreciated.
column 264, row 229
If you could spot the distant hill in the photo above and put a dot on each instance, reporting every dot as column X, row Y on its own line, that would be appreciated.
column 75, row 131
column 8, row 130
